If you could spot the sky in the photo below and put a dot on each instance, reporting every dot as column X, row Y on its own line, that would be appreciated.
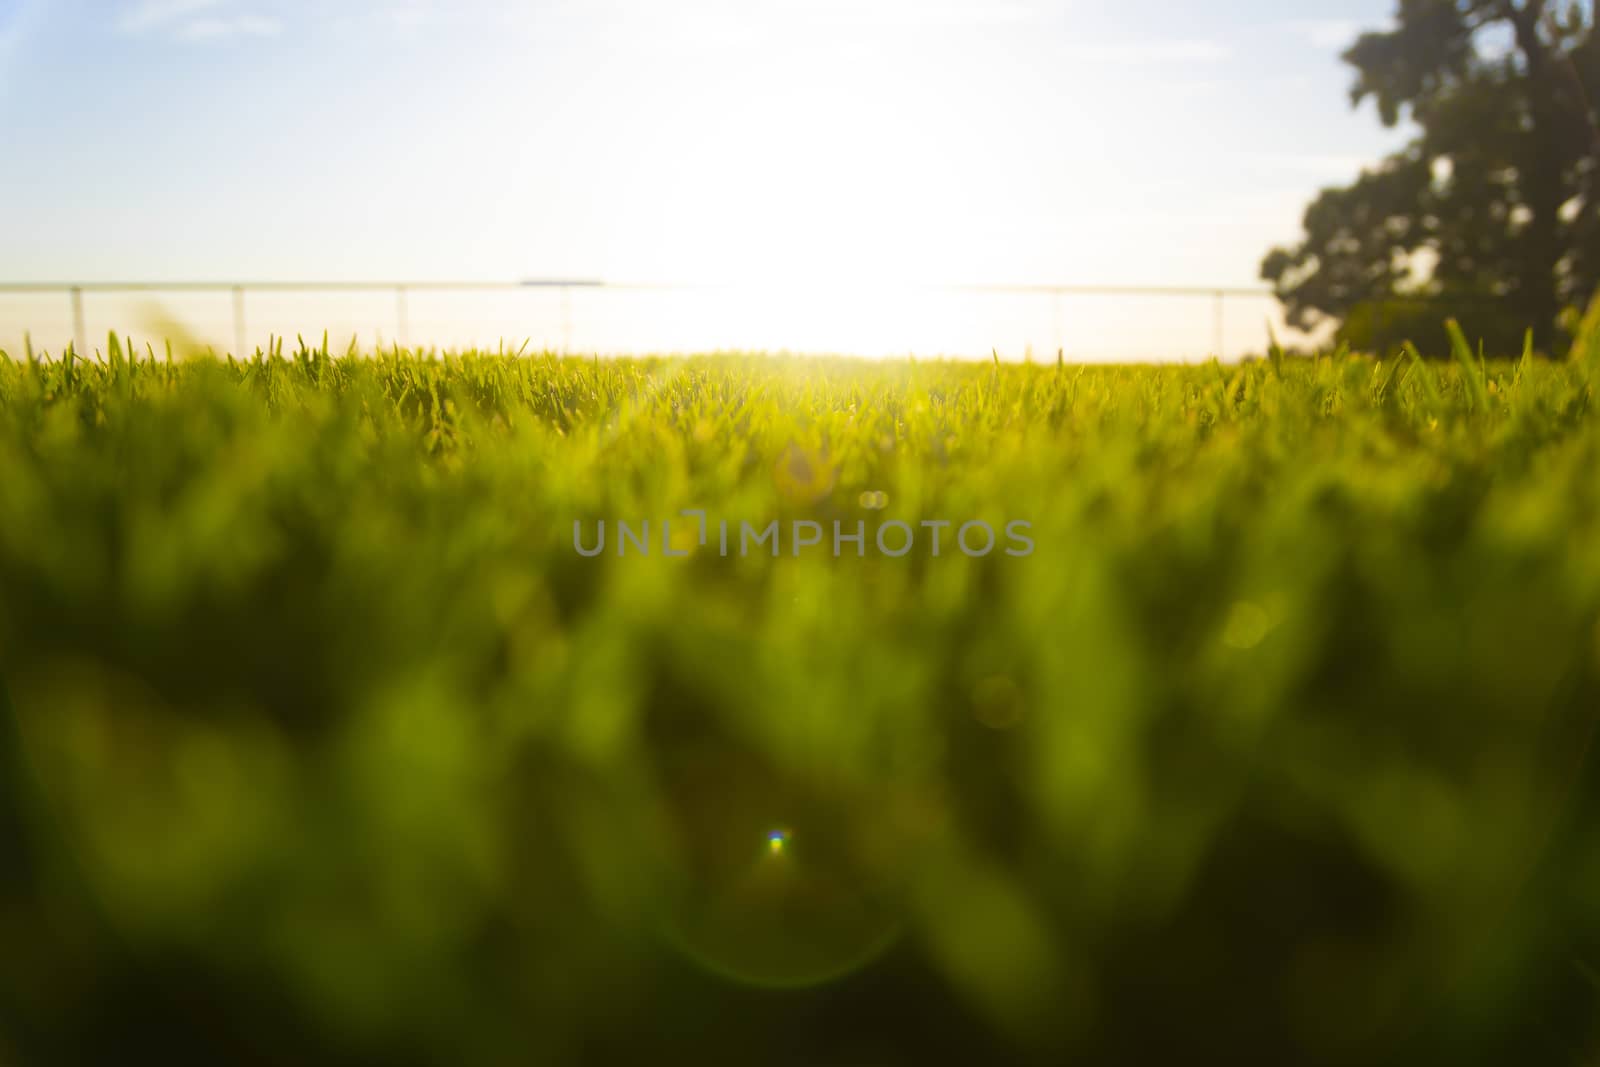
column 767, row 143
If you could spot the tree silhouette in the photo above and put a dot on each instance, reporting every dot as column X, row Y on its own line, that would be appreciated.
column 1492, row 213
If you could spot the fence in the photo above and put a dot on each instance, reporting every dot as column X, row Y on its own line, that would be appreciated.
column 631, row 316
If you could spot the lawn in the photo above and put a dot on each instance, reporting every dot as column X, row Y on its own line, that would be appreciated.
column 332, row 739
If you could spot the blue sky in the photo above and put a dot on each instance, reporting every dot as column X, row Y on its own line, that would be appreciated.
column 919, row 140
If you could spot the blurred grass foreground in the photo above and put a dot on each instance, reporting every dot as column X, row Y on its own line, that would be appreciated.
column 322, row 744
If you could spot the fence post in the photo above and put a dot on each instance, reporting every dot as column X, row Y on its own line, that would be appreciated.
column 1055, row 314
column 402, row 317
column 238, row 323
column 566, row 319
column 80, row 335
column 1216, row 323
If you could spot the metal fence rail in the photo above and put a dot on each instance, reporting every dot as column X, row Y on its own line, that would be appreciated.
column 75, row 293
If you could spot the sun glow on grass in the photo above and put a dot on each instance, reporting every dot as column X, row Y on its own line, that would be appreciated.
column 1364, row 589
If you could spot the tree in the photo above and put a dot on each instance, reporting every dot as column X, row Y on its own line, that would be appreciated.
column 1492, row 212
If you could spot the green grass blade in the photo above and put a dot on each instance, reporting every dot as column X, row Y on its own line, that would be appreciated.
column 1472, row 370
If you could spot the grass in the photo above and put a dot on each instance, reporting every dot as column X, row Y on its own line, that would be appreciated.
column 326, row 743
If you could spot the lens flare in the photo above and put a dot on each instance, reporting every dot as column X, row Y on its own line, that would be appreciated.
column 741, row 898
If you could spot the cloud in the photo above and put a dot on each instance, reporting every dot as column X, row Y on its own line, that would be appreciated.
column 151, row 14
column 196, row 20
column 1133, row 53
column 1327, row 33
column 405, row 14
column 781, row 16
column 211, row 29
column 907, row 14
column 1318, row 164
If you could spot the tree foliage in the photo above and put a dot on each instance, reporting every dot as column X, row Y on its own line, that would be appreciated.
column 1491, row 212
